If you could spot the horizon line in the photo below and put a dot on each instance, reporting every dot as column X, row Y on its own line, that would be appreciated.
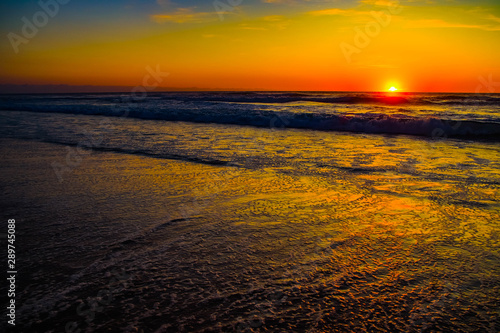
column 17, row 89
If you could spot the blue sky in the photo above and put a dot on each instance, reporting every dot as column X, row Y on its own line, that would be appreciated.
column 102, row 11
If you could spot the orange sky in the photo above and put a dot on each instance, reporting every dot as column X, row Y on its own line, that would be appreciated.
column 270, row 45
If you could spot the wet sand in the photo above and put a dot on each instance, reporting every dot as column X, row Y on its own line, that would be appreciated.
column 135, row 243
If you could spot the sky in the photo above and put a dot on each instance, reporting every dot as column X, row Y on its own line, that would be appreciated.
column 321, row 45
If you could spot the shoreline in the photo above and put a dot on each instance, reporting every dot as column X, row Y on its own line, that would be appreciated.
column 166, row 240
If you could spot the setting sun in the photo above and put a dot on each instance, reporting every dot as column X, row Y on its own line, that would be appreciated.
column 392, row 89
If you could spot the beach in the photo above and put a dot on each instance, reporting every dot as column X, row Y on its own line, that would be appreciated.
column 171, row 226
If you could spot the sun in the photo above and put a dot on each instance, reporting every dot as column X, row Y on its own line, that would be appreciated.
column 393, row 88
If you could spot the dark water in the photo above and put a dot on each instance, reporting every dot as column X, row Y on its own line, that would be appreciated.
column 431, row 115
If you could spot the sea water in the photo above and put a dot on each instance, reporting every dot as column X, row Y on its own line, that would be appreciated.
column 255, row 211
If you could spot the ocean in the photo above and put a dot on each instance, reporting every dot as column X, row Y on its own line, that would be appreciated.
column 254, row 211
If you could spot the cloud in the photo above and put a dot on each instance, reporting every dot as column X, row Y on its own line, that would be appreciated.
column 185, row 15
column 271, row 22
column 331, row 11
column 437, row 23
column 338, row 11
column 487, row 22
column 361, row 9
column 383, row 3
column 247, row 27
column 493, row 18
column 273, row 18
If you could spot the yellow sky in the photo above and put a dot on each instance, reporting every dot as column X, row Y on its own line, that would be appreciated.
column 371, row 45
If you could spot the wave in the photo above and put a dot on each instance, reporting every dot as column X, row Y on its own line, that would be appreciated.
column 140, row 152
column 376, row 98
column 283, row 98
column 361, row 123
column 220, row 108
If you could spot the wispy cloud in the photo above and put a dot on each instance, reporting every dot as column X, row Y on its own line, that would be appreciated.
column 438, row 23
column 382, row 3
column 330, row 11
column 493, row 18
column 481, row 21
column 273, row 18
column 248, row 27
column 185, row 15
column 271, row 22
column 338, row 11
